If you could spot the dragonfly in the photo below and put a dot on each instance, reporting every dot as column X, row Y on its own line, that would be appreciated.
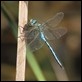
column 37, row 34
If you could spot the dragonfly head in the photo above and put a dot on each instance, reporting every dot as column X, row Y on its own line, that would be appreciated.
column 33, row 22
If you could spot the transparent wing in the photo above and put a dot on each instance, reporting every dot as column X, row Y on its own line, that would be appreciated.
column 54, row 21
column 55, row 33
column 36, row 43
column 33, row 40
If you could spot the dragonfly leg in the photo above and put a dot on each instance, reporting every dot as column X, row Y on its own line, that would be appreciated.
column 22, row 37
column 21, row 30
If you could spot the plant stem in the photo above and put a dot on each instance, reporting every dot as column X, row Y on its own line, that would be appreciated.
column 21, row 53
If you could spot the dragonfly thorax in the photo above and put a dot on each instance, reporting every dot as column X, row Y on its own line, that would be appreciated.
column 34, row 23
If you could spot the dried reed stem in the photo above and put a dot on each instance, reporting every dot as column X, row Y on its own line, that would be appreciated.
column 21, row 53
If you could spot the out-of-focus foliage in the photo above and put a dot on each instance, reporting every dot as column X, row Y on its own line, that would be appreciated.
column 68, row 48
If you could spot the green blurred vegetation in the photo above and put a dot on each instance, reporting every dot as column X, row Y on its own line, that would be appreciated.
column 41, row 64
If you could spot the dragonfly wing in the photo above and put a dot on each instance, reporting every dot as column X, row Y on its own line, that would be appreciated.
column 55, row 33
column 48, row 35
column 33, row 40
column 54, row 21
column 36, row 43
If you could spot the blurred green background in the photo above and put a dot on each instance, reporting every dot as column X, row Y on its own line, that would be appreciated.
column 41, row 65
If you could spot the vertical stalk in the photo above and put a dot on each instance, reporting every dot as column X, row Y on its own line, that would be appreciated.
column 21, row 53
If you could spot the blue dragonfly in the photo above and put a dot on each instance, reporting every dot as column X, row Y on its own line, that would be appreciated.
column 37, row 34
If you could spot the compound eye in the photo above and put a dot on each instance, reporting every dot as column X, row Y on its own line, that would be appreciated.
column 33, row 22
